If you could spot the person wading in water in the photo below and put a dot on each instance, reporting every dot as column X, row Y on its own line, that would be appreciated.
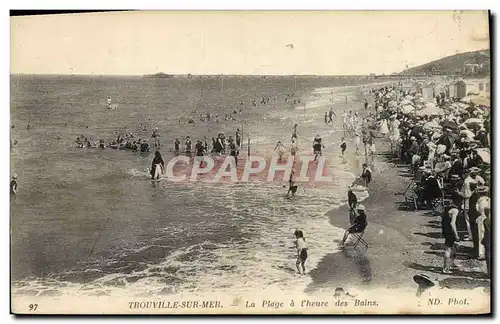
column 294, row 131
column 200, row 150
column 317, row 146
column 188, row 145
column 157, row 160
column 233, row 149
column 301, row 246
column 177, row 143
column 156, row 137
column 238, row 137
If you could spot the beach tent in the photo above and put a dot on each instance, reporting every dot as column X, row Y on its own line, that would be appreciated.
column 452, row 91
column 460, row 89
column 471, row 88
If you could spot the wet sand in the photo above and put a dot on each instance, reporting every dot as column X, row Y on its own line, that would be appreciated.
column 402, row 243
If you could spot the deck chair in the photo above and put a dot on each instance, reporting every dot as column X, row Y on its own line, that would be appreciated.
column 359, row 239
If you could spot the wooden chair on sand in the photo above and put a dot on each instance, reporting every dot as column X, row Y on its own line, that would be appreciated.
column 359, row 239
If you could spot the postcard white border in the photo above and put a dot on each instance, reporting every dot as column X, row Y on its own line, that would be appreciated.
column 185, row 4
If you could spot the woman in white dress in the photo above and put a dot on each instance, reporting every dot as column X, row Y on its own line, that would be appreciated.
column 395, row 135
column 280, row 148
column 384, row 129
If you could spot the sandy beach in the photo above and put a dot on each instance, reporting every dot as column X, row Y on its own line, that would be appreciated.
column 402, row 243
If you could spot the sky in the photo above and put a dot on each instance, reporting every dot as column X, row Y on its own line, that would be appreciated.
column 242, row 42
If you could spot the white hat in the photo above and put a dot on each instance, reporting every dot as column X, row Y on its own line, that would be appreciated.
column 361, row 207
column 14, row 176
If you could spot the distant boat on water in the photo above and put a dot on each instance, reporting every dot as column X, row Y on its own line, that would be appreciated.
column 160, row 75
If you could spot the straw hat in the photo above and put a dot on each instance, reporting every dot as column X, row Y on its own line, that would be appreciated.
column 455, row 177
column 441, row 167
column 482, row 189
column 361, row 208
column 474, row 170
column 423, row 280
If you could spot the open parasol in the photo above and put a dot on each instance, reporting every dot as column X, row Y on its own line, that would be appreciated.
column 484, row 153
column 477, row 121
column 408, row 109
column 449, row 124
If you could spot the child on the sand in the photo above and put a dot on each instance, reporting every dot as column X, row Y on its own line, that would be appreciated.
column 301, row 246
column 366, row 174
column 343, row 146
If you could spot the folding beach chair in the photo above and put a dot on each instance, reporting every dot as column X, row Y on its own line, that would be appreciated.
column 359, row 239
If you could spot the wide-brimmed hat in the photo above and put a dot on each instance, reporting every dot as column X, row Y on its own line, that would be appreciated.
column 423, row 280
column 455, row 177
column 432, row 144
column 475, row 169
column 482, row 189
column 441, row 167
column 360, row 207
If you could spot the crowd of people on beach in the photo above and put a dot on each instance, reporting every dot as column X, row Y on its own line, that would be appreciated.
column 447, row 148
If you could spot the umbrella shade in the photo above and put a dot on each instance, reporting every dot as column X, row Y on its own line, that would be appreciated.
column 468, row 133
column 385, row 114
column 442, row 167
column 449, row 124
column 430, row 109
column 431, row 126
column 407, row 109
column 484, row 153
column 474, row 121
column 481, row 98
column 447, row 140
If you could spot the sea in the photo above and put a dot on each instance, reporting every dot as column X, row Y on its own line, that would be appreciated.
column 90, row 222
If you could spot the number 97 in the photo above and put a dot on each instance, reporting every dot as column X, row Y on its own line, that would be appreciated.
column 32, row 307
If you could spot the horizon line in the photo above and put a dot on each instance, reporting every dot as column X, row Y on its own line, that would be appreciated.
column 204, row 75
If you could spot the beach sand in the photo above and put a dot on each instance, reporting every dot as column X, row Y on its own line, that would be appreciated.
column 402, row 243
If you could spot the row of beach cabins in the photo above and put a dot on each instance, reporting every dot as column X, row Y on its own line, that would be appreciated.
column 457, row 89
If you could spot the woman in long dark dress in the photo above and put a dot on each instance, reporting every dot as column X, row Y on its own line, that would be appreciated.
column 156, row 160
